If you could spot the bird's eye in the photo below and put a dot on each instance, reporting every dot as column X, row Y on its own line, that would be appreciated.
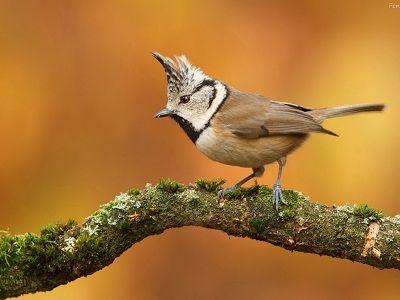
column 184, row 99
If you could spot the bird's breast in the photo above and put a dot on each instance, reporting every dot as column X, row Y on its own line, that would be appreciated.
column 223, row 146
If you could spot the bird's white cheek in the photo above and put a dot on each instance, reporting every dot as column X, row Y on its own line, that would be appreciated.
column 200, row 121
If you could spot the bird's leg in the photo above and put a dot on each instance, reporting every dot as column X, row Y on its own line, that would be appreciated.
column 257, row 172
column 277, row 190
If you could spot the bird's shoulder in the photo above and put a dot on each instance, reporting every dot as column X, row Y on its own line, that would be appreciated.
column 240, row 106
column 252, row 116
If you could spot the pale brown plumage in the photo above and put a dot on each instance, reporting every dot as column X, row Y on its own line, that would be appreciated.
column 253, row 116
column 252, row 131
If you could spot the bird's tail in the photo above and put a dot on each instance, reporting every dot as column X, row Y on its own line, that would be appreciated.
column 325, row 113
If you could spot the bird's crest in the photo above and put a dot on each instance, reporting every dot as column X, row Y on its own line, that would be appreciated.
column 181, row 73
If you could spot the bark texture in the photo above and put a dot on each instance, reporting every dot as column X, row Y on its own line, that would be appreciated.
column 64, row 252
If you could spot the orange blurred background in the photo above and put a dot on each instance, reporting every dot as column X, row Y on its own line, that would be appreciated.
column 79, row 88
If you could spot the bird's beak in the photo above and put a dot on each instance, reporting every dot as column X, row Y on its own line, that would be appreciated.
column 163, row 113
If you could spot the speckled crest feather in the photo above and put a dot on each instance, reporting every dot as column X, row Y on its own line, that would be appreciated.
column 173, row 74
column 180, row 74
column 190, row 75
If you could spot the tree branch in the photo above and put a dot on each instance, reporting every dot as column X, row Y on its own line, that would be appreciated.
column 64, row 252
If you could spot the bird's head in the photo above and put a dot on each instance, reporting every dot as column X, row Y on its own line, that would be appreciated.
column 193, row 97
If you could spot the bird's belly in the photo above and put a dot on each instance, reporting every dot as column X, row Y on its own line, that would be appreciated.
column 229, row 149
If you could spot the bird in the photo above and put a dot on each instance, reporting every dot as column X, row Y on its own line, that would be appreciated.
column 238, row 128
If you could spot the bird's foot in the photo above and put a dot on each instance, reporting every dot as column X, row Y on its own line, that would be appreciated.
column 222, row 192
column 278, row 195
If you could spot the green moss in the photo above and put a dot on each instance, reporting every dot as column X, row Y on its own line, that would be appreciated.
column 191, row 196
column 293, row 201
column 194, row 202
column 169, row 185
column 253, row 190
column 365, row 212
column 5, row 246
column 90, row 249
column 50, row 232
column 265, row 192
column 241, row 192
column 293, row 198
column 286, row 212
column 133, row 192
column 258, row 224
column 209, row 185
column 124, row 225
column 28, row 251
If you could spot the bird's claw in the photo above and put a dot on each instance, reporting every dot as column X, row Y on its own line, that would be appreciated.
column 278, row 195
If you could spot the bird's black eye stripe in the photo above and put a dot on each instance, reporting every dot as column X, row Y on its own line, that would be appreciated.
column 214, row 94
column 204, row 83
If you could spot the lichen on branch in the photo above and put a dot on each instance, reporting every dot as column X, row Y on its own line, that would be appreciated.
column 64, row 252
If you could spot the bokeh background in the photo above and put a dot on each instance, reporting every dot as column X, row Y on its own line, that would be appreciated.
column 78, row 90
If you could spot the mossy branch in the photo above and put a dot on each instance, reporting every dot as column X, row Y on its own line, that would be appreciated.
column 64, row 252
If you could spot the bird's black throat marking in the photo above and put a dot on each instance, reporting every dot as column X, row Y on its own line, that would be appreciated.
column 187, row 127
column 190, row 131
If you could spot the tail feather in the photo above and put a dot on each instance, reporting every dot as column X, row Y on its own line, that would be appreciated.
column 325, row 113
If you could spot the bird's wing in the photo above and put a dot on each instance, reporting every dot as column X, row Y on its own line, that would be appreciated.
column 252, row 116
